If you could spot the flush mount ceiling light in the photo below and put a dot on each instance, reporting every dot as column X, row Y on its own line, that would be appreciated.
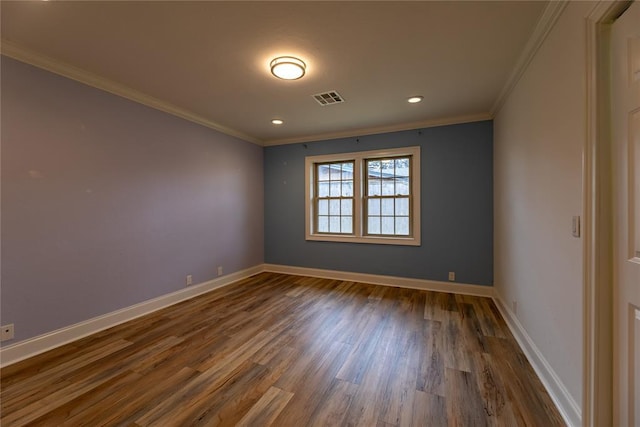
column 414, row 99
column 288, row 68
column 277, row 121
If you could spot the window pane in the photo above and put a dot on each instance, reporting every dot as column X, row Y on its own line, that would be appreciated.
column 347, row 171
column 402, row 206
column 402, row 166
column 335, row 189
column 334, row 207
column 387, row 225
column 402, row 186
column 402, row 226
column 323, row 224
column 387, row 167
column 323, row 189
column 374, row 225
column 347, row 226
column 374, row 207
column 347, row 207
column 323, row 172
column 347, row 188
column 387, row 207
column 374, row 187
column 336, row 171
column 373, row 168
column 334, row 224
column 388, row 187
column 323, row 207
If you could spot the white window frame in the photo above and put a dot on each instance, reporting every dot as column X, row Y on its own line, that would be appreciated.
column 358, row 192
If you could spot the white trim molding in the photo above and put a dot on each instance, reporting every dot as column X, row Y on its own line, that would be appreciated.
column 377, row 279
column 24, row 349
column 445, row 121
column 597, row 378
column 40, row 344
column 567, row 406
column 22, row 54
column 543, row 27
column 13, row 353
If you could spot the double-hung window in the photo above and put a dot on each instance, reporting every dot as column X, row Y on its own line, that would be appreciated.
column 333, row 202
column 364, row 197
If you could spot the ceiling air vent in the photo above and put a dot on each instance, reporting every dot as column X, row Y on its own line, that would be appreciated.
column 328, row 98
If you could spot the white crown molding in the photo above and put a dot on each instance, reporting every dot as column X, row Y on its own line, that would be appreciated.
column 382, row 129
column 566, row 405
column 544, row 26
column 23, row 54
column 377, row 279
column 24, row 349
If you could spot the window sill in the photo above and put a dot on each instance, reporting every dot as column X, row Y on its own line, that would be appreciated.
column 399, row 241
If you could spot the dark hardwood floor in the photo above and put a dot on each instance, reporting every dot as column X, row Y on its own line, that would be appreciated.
column 289, row 351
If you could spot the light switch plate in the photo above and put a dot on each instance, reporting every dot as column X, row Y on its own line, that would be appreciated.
column 575, row 228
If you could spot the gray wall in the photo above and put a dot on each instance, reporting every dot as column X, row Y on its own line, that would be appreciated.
column 456, row 199
column 107, row 203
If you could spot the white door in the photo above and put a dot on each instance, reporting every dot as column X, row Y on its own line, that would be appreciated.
column 625, row 121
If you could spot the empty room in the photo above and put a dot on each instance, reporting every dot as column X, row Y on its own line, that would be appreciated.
column 320, row 213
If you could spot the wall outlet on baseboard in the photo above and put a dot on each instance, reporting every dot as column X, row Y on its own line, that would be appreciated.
column 189, row 280
column 220, row 271
column 452, row 276
column 6, row 333
column 514, row 306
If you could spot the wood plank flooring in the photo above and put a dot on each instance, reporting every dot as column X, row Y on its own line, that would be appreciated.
column 285, row 351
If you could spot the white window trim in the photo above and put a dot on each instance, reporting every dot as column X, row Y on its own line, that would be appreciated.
column 358, row 158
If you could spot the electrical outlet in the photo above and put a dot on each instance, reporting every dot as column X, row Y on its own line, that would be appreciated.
column 6, row 333
column 189, row 280
column 220, row 271
column 452, row 276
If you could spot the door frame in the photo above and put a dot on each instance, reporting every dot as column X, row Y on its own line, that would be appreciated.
column 597, row 396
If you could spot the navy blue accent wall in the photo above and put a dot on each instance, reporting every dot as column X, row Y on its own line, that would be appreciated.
column 456, row 207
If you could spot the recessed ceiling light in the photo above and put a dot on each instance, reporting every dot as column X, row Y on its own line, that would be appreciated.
column 277, row 121
column 288, row 68
column 414, row 99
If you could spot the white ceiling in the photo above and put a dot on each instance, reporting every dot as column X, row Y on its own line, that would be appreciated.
column 208, row 61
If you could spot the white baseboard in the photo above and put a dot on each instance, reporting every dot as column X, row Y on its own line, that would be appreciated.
column 376, row 279
column 565, row 403
column 33, row 346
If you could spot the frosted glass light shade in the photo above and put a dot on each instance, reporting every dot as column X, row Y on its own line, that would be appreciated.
column 288, row 68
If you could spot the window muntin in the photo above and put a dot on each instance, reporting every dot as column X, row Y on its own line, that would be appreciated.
column 364, row 197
